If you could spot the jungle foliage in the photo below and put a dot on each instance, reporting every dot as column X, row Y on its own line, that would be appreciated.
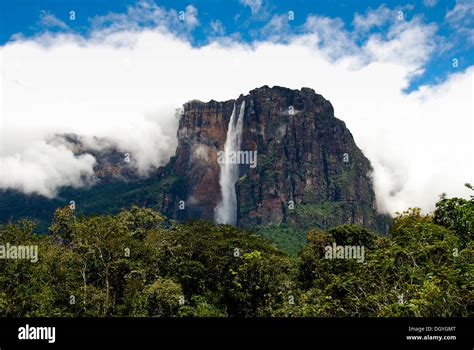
column 138, row 263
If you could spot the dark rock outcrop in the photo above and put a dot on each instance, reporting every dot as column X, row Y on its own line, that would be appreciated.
column 309, row 169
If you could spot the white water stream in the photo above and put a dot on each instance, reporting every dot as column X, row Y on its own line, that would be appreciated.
column 226, row 210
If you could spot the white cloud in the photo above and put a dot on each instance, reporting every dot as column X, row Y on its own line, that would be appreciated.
column 373, row 18
column 430, row 3
column 255, row 5
column 146, row 13
column 48, row 20
column 126, row 86
column 332, row 37
column 461, row 13
column 277, row 29
column 461, row 18
column 43, row 168
column 190, row 16
column 217, row 27
column 411, row 43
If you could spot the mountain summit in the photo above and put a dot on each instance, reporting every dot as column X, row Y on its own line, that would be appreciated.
column 306, row 167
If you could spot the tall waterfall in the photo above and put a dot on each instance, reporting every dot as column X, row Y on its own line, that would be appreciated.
column 226, row 210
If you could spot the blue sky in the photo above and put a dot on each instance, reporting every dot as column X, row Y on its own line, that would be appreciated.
column 246, row 19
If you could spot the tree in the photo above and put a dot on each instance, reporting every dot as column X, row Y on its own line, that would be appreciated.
column 456, row 214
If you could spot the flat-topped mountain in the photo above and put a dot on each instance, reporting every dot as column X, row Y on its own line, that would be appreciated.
column 307, row 168
column 273, row 157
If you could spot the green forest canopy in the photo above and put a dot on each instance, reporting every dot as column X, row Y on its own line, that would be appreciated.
column 137, row 263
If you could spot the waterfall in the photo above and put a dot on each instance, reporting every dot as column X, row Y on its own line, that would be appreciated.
column 226, row 210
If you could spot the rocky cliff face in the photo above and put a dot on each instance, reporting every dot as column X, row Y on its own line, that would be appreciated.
column 308, row 171
column 201, row 134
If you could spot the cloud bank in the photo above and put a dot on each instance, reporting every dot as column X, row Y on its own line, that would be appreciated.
column 125, row 83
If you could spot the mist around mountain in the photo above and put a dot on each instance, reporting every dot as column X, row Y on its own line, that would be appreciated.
column 289, row 166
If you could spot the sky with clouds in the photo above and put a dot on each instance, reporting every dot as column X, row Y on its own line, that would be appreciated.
column 399, row 74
